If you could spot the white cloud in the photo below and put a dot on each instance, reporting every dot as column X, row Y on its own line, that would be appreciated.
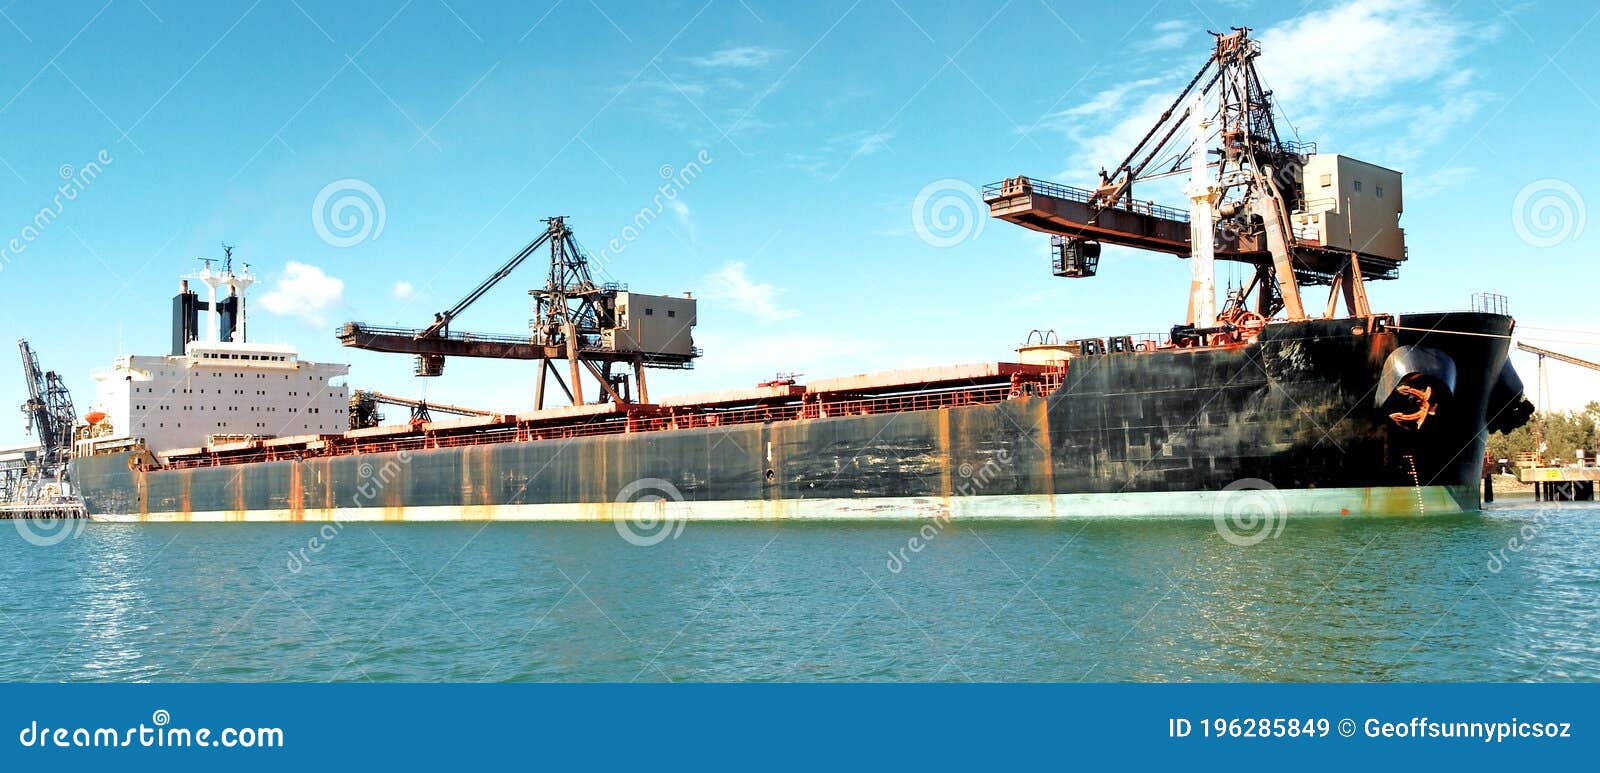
column 873, row 142
column 758, row 299
column 1424, row 185
column 404, row 291
column 1107, row 101
column 1361, row 49
column 680, row 210
column 1101, row 146
column 711, row 92
column 1384, row 80
column 303, row 291
column 1167, row 35
column 836, row 155
column 738, row 57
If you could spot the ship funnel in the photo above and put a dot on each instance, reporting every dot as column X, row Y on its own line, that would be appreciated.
column 238, row 284
column 213, row 280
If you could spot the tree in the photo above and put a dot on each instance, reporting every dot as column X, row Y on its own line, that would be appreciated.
column 1565, row 432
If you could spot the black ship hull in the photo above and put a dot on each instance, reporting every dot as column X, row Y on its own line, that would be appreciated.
column 1301, row 421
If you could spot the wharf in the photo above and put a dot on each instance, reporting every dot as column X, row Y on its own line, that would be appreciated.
column 1561, row 484
column 66, row 508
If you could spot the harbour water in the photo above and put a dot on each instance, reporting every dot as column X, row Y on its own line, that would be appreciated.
column 1510, row 595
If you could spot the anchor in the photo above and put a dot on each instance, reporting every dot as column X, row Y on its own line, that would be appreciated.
column 1425, row 406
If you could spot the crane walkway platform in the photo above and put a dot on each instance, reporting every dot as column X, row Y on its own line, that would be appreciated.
column 1063, row 210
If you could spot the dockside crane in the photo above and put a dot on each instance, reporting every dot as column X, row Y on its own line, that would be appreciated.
column 50, row 417
column 594, row 327
column 1294, row 217
column 364, row 408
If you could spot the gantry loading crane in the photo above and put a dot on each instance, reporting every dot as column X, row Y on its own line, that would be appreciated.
column 364, row 408
column 51, row 418
column 1293, row 216
column 592, row 326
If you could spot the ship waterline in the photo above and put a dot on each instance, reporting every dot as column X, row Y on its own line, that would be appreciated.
column 1257, row 510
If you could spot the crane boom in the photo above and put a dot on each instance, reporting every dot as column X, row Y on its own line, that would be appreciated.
column 364, row 408
column 441, row 320
column 1558, row 356
column 49, row 410
column 406, row 402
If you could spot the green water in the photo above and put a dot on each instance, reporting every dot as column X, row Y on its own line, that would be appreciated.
column 1344, row 599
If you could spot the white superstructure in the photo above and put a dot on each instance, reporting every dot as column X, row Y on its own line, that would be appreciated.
column 262, row 390
column 218, row 390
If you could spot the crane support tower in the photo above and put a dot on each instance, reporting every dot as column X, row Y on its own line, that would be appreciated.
column 49, row 410
column 51, row 418
column 596, row 328
column 1295, row 217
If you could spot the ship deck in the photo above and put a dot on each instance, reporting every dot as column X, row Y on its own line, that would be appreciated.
column 897, row 391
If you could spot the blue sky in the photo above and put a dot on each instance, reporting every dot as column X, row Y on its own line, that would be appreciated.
column 821, row 123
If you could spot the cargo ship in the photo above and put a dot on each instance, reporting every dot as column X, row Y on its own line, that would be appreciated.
column 1341, row 412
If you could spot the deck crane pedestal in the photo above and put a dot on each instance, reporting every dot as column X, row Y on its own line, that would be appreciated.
column 594, row 327
column 1294, row 217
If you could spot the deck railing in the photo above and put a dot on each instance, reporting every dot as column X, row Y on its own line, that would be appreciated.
column 1081, row 195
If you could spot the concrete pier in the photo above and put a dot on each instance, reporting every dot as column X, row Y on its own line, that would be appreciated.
column 59, row 509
